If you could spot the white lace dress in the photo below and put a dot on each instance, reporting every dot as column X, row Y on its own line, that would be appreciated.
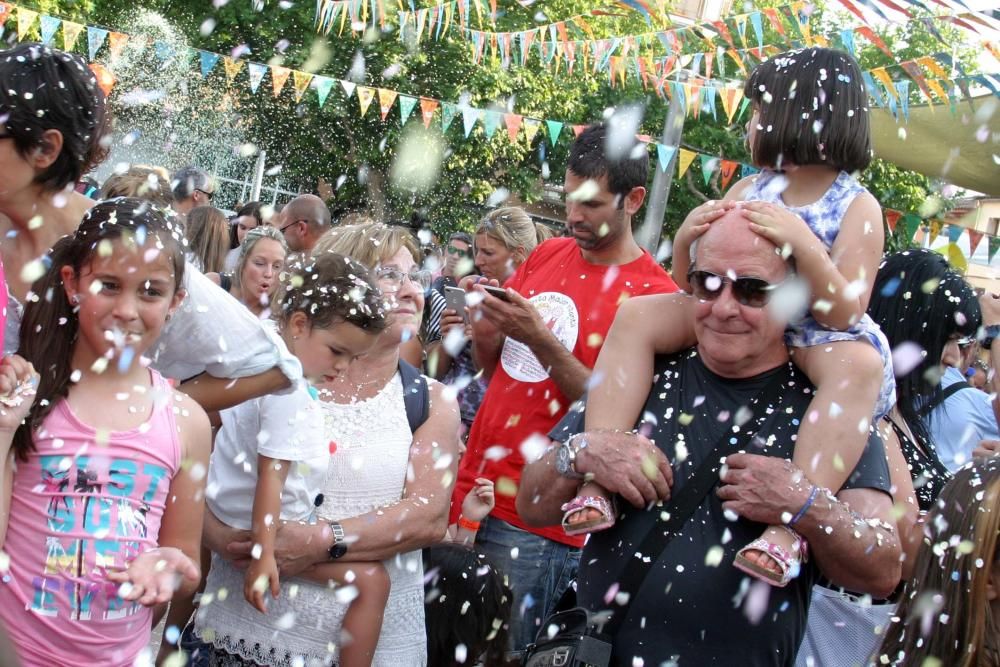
column 367, row 471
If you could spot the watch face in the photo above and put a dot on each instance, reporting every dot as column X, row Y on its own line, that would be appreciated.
column 562, row 459
column 337, row 550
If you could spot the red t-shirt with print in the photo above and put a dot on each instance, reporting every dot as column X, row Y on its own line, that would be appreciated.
column 577, row 300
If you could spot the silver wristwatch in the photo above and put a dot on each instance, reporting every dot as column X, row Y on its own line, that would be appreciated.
column 566, row 456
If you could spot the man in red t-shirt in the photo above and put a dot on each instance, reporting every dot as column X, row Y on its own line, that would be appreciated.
column 538, row 348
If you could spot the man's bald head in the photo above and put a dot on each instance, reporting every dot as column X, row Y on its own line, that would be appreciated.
column 733, row 230
column 304, row 220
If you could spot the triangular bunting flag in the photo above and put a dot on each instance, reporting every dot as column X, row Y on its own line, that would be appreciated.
column 257, row 72
column 386, row 98
column 728, row 170
column 5, row 10
column 26, row 19
column 365, row 97
column 578, row 129
column 233, row 67
column 50, row 24
column 163, row 50
column 891, row 218
column 208, row 61
column 748, row 170
column 664, row 155
column 531, row 127
column 513, row 122
column 555, row 127
column 936, row 226
column 955, row 233
column 994, row 242
column 684, row 161
column 708, row 166
column 427, row 107
column 448, row 113
column 71, row 31
column 105, row 79
column 406, row 104
column 323, row 86
column 279, row 76
column 95, row 40
column 491, row 121
column 911, row 223
column 300, row 82
column 974, row 239
column 116, row 44
column 469, row 118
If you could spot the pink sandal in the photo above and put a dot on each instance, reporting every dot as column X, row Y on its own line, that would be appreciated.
column 580, row 503
column 790, row 563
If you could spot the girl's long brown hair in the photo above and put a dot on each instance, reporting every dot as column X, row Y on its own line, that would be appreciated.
column 944, row 612
column 50, row 326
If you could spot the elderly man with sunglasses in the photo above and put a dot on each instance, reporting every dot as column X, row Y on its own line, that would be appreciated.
column 735, row 391
column 191, row 187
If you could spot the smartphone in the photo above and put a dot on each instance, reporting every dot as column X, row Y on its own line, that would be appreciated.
column 455, row 298
column 498, row 292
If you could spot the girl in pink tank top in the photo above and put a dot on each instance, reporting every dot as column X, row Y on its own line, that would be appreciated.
column 105, row 515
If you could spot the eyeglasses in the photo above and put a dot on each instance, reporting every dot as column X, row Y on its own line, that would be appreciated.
column 295, row 222
column 452, row 250
column 205, row 192
column 393, row 278
column 752, row 292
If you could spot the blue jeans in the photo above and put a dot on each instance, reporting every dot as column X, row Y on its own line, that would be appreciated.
column 538, row 573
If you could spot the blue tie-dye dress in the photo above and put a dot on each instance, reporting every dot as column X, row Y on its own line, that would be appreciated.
column 823, row 217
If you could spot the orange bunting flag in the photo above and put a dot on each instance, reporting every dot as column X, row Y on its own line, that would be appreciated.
column 427, row 107
column 577, row 129
column 728, row 169
column 684, row 161
column 513, row 122
column 116, row 43
column 386, row 98
column 105, row 79
column 891, row 218
column 233, row 67
column 279, row 75
column 365, row 97
column 300, row 81
column 974, row 239
column 870, row 35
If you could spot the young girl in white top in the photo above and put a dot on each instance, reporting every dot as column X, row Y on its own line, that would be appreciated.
column 808, row 133
column 271, row 452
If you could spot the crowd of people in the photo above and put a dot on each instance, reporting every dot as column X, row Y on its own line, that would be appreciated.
column 285, row 438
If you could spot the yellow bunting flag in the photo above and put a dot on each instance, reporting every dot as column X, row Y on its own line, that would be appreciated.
column 531, row 127
column 25, row 19
column 684, row 161
column 883, row 76
column 386, row 98
column 233, row 67
column 279, row 75
column 70, row 32
column 300, row 81
column 365, row 97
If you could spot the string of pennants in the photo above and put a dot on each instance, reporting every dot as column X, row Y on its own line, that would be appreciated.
column 354, row 15
column 918, row 231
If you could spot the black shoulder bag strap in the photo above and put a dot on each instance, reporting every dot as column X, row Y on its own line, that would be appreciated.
column 416, row 395
column 953, row 388
column 682, row 506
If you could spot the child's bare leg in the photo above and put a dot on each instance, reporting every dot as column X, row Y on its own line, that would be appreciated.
column 623, row 374
column 363, row 621
column 180, row 611
column 833, row 435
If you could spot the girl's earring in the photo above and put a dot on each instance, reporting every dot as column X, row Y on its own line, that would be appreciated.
column 75, row 299
column 169, row 315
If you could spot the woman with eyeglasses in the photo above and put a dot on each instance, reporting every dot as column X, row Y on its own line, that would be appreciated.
column 387, row 489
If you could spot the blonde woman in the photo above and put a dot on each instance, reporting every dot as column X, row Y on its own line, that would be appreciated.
column 386, row 495
column 257, row 275
column 503, row 240
column 207, row 232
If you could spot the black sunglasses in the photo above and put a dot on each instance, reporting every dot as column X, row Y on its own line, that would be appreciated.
column 206, row 193
column 752, row 292
column 295, row 222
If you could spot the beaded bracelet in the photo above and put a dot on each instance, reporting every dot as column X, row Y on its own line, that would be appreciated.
column 468, row 525
column 805, row 508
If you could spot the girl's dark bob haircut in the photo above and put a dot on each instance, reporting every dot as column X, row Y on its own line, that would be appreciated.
column 813, row 109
